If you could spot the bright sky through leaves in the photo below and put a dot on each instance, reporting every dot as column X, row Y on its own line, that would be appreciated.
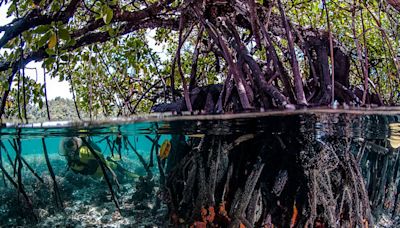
column 55, row 88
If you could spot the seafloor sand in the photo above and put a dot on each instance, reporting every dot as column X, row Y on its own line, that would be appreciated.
column 87, row 201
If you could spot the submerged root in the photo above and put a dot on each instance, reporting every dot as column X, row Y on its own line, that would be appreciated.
column 104, row 169
column 337, row 190
column 57, row 194
column 265, row 180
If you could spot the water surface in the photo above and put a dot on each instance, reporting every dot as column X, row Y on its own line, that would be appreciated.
column 371, row 137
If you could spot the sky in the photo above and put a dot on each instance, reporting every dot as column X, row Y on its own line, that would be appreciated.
column 55, row 88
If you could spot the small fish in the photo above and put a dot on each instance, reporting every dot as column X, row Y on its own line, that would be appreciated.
column 196, row 136
column 394, row 138
column 293, row 220
column 165, row 149
column 394, row 141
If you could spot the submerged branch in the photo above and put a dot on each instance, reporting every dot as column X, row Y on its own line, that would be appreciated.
column 53, row 177
column 103, row 169
column 141, row 159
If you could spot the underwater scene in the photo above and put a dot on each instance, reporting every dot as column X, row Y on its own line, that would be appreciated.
column 292, row 169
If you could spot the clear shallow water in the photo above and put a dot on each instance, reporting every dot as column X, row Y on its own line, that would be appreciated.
column 280, row 138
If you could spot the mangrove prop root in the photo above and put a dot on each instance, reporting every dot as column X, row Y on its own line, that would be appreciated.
column 32, row 170
column 118, row 141
column 8, row 155
column 153, row 147
column 16, row 148
column 251, row 182
column 56, row 190
column 141, row 159
column 18, row 185
column 293, row 180
column 14, row 145
column 1, row 163
column 20, row 189
column 159, row 162
column 110, row 146
column 103, row 169
column 335, row 183
column 20, row 165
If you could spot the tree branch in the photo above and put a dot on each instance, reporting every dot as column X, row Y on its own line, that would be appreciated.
column 33, row 19
column 91, row 38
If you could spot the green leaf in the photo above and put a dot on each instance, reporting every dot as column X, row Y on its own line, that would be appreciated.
column 64, row 34
column 93, row 60
column 113, row 2
column 11, row 10
column 64, row 58
column 42, row 41
column 48, row 62
column 85, row 56
column 41, row 29
column 111, row 32
column 50, row 52
column 71, row 42
column 107, row 14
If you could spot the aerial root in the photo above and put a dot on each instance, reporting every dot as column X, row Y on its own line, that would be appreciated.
column 56, row 190
column 104, row 169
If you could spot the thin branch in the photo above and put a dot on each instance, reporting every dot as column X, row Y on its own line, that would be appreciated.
column 89, row 8
column 32, row 170
column 178, row 57
column 293, row 59
column 45, row 94
column 331, row 52
column 159, row 75
column 145, row 93
column 141, row 159
column 193, row 72
column 33, row 19
column 1, row 164
column 20, row 190
column 53, row 177
column 73, row 91
column 103, row 167
column 254, row 22
column 8, row 154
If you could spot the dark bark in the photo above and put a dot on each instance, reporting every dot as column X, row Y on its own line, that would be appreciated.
column 293, row 59
column 296, row 179
column 104, row 169
column 45, row 95
column 34, row 19
column 181, row 40
column 256, row 84
column 202, row 98
column 321, row 65
column 193, row 72
column 56, row 190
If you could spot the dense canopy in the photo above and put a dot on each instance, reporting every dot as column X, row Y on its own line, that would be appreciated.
column 123, row 57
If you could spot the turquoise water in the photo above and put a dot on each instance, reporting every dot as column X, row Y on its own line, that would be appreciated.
column 146, row 197
column 83, row 196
